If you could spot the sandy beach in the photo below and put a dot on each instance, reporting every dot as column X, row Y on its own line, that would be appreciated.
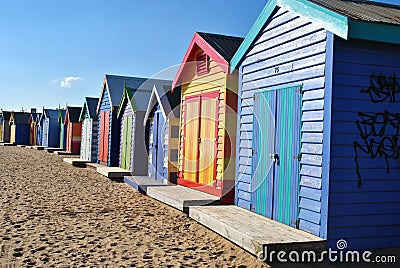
column 53, row 214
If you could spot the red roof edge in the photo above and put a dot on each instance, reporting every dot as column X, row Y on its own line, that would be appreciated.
column 209, row 50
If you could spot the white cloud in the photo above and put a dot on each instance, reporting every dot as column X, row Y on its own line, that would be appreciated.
column 67, row 82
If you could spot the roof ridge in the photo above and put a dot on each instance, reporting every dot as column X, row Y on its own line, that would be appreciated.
column 220, row 35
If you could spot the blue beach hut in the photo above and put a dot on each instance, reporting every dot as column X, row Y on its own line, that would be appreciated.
column 50, row 128
column 163, row 117
column 318, row 143
column 108, row 122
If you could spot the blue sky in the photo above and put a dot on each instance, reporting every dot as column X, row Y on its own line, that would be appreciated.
column 43, row 42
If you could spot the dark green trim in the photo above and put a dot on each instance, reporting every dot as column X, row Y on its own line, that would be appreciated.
column 83, row 111
column 374, row 31
column 127, row 96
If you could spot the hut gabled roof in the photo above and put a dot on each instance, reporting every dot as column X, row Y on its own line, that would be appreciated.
column 347, row 19
column 220, row 48
column 72, row 114
column 114, row 84
column 20, row 118
column 139, row 97
column 89, row 106
column 169, row 102
column 6, row 115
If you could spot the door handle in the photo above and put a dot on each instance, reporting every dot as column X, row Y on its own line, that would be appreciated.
column 274, row 156
column 298, row 157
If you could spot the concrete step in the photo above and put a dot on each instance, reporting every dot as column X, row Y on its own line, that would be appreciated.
column 182, row 198
column 93, row 166
column 254, row 232
column 7, row 144
column 140, row 183
column 52, row 149
column 65, row 153
column 113, row 172
column 76, row 162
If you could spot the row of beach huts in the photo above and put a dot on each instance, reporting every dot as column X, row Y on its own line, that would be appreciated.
column 298, row 122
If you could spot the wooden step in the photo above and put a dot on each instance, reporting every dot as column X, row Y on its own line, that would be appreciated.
column 254, row 232
column 141, row 183
column 181, row 197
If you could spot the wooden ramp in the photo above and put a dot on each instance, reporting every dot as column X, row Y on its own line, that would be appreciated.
column 181, row 197
column 76, row 162
column 254, row 232
column 113, row 172
column 141, row 183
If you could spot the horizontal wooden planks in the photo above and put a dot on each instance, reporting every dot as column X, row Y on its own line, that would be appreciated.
column 365, row 187
column 289, row 51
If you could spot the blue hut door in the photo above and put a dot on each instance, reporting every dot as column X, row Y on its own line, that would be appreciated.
column 156, row 147
column 45, row 133
column 276, row 149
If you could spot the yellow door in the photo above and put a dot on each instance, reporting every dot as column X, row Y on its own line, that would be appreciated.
column 208, row 143
column 190, row 151
column 13, row 132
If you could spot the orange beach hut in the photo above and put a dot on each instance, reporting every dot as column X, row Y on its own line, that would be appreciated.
column 74, row 129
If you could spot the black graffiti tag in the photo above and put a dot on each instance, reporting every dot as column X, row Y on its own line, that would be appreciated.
column 380, row 135
column 382, row 88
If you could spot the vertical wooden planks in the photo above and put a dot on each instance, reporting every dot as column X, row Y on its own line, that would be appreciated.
column 208, row 139
column 191, row 143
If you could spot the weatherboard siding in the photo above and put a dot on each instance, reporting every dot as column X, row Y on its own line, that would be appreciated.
column 214, row 80
column 165, row 146
column 289, row 51
column 364, row 202
column 20, row 134
column 93, row 142
column 51, row 133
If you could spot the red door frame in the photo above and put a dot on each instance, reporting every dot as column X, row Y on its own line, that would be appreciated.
column 104, row 129
column 181, row 179
column 188, row 100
